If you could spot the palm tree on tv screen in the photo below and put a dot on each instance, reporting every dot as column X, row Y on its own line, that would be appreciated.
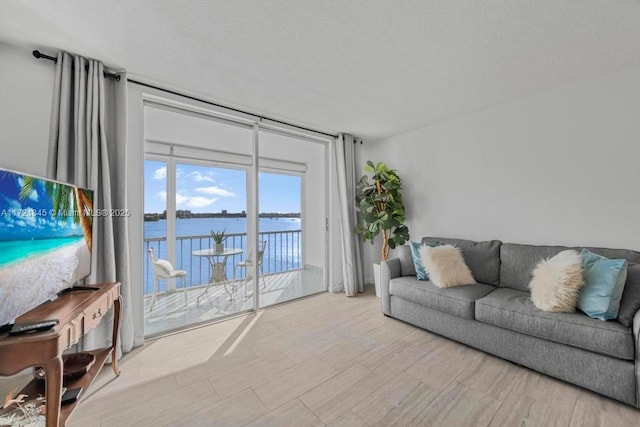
column 66, row 200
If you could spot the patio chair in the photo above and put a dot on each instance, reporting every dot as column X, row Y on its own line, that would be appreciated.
column 248, row 262
column 163, row 270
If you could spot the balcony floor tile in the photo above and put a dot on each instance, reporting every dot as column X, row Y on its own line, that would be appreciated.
column 170, row 312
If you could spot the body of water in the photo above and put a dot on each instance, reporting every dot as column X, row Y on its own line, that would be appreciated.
column 13, row 251
column 283, row 250
column 202, row 226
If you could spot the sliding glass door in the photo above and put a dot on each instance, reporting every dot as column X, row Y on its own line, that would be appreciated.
column 235, row 217
column 196, row 213
column 293, row 218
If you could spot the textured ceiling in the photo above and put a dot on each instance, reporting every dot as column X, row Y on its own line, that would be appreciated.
column 370, row 67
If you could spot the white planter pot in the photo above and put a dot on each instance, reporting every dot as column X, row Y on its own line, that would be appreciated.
column 376, row 277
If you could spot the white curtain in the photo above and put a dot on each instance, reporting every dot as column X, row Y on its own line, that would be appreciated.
column 352, row 273
column 87, row 148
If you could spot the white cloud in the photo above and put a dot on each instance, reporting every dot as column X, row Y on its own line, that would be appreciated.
column 193, row 202
column 29, row 216
column 198, row 177
column 34, row 195
column 13, row 204
column 215, row 191
column 189, row 202
column 160, row 173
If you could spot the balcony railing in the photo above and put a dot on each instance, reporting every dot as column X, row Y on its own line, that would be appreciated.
column 283, row 252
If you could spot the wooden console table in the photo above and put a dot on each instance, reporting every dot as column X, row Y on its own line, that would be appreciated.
column 78, row 312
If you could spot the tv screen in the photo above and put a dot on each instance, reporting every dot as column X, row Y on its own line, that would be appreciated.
column 45, row 240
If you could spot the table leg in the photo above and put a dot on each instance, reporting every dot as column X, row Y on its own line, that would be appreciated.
column 218, row 277
column 224, row 278
column 211, row 280
column 117, row 312
column 53, row 390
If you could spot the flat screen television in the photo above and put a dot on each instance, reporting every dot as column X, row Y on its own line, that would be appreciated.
column 45, row 240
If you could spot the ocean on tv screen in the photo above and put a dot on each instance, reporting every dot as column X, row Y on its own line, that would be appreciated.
column 45, row 240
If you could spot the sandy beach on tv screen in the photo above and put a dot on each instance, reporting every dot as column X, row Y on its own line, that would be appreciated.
column 30, row 282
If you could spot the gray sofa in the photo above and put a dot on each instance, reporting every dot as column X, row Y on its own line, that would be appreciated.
column 497, row 316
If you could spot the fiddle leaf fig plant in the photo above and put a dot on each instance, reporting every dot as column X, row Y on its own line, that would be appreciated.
column 379, row 202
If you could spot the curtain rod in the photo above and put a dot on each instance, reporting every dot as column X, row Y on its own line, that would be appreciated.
column 230, row 108
column 116, row 77
column 41, row 55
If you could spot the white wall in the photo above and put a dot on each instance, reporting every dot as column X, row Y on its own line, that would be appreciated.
column 26, row 88
column 562, row 167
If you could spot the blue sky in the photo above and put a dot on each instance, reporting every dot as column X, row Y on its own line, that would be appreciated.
column 29, row 218
column 211, row 189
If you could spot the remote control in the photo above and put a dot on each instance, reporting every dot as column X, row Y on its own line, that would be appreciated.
column 79, row 288
column 70, row 395
column 25, row 328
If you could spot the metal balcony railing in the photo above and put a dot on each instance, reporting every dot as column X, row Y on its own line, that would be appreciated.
column 283, row 253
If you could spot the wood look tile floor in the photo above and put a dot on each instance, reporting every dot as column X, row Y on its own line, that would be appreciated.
column 334, row 361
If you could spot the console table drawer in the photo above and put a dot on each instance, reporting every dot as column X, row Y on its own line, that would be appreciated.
column 72, row 333
column 93, row 315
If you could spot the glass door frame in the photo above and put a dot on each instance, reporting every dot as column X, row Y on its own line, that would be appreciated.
column 139, row 97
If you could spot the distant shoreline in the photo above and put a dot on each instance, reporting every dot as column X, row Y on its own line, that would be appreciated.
column 189, row 214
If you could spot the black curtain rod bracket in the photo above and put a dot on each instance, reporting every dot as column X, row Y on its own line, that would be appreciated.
column 41, row 55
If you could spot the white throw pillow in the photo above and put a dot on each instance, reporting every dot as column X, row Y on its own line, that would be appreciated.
column 556, row 282
column 446, row 266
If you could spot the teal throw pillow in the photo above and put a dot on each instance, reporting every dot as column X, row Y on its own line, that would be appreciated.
column 604, row 283
column 421, row 272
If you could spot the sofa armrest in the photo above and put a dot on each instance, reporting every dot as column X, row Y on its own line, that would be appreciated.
column 389, row 269
column 636, row 338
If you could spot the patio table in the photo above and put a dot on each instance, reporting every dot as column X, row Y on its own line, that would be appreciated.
column 218, row 262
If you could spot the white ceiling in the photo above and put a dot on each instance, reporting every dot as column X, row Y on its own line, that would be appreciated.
column 370, row 67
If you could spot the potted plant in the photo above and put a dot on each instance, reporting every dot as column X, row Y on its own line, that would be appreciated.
column 219, row 237
column 379, row 202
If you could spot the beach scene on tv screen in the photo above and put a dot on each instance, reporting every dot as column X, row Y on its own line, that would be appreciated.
column 45, row 240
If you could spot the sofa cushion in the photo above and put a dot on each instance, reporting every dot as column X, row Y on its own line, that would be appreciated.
column 458, row 301
column 403, row 253
column 630, row 303
column 483, row 258
column 512, row 309
column 518, row 261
